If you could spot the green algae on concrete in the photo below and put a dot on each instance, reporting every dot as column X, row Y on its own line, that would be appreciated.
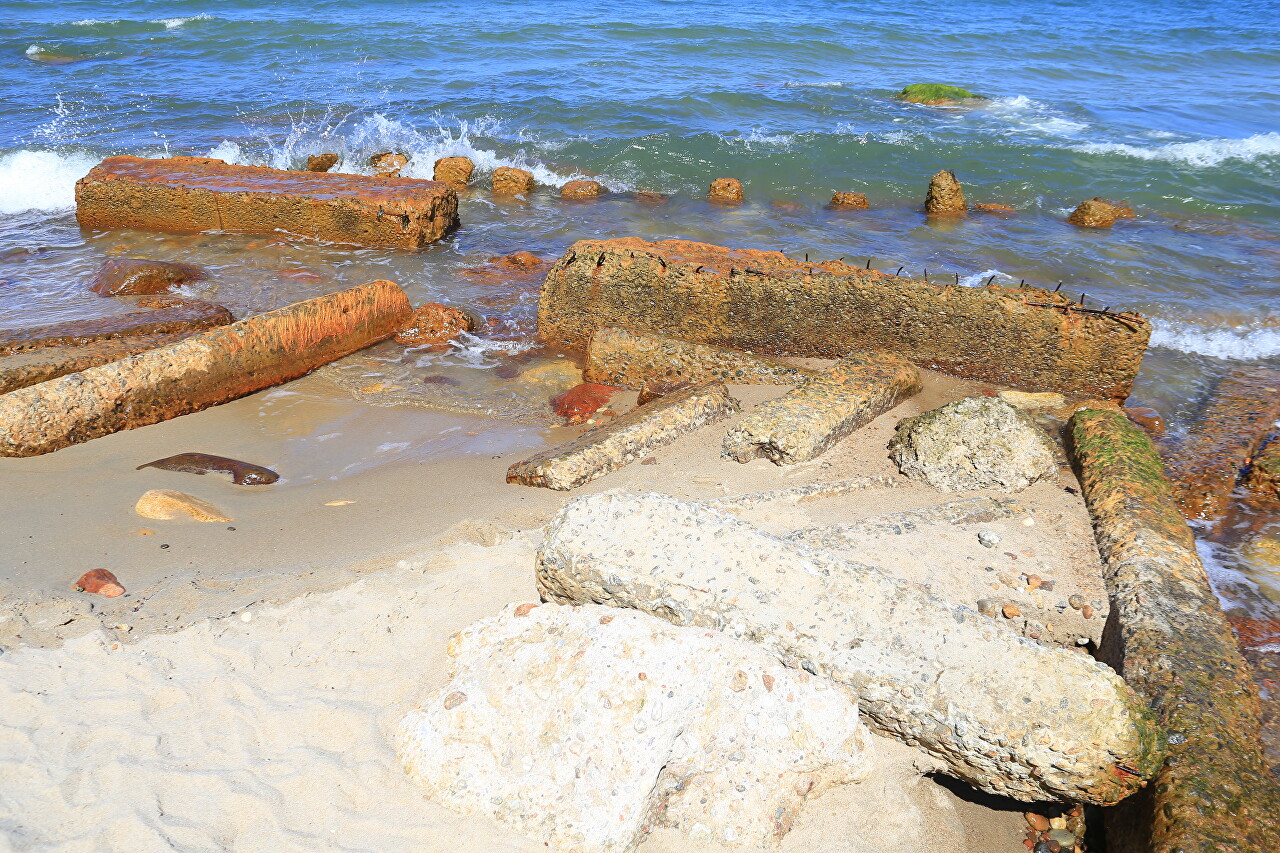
column 932, row 94
column 1170, row 640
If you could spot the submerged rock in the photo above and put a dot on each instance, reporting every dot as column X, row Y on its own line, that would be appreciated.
column 582, row 727
column 936, row 94
column 433, row 324
column 582, row 401
column 139, row 277
column 508, row 181
column 945, row 194
column 167, row 504
column 848, row 201
column 322, row 162
column 454, row 171
column 242, row 473
column 1093, row 213
column 581, row 189
column 725, row 191
column 976, row 443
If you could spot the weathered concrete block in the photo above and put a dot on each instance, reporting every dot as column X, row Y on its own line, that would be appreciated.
column 187, row 195
column 161, row 315
column 1007, row 715
column 945, row 195
column 848, row 536
column 768, row 303
column 509, row 181
column 632, row 360
column 198, row 372
column 454, row 171
column 44, row 363
column 1170, row 640
column 582, row 727
column 805, row 421
column 632, row 436
column 1241, row 411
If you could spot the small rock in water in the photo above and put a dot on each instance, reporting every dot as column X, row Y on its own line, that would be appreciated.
column 582, row 401
column 581, row 189
column 987, row 207
column 945, row 195
column 433, row 325
column 1147, row 418
column 848, row 201
column 508, row 181
column 725, row 191
column 242, row 473
column 100, row 582
column 988, row 538
column 650, row 197
column 139, row 277
column 1093, row 214
column 322, row 162
column 454, row 171
column 166, row 504
column 388, row 164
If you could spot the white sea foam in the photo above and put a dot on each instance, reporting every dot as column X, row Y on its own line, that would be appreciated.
column 174, row 23
column 1026, row 115
column 980, row 278
column 825, row 84
column 1245, row 342
column 758, row 138
column 1203, row 153
column 34, row 50
column 40, row 180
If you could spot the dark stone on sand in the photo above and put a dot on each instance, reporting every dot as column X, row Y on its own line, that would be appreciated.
column 242, row 473
column 139, row 277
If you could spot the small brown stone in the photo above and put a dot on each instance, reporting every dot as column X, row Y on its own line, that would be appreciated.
column 525, row 609
column 138, row 277
column 994, row 208
column 649, row 460
column 659, row 388
column 1147, row 418
column 739, row 682
column 945, row 195
column 167, row 504
column 322, row 162
column 1093, row 214
column 581, row 190
column 1033, row 582
column 454, row 699
column 1011, row 611
column 725, row 191
column 582, row 401
column 768, row 682
column 1122, row 208
column 1038, row 822
column 849, row 201
column 650, row 197
column 605, row 620
column 388, row 164
column 433, row 325
column 511, row 182
column 100, row 582
column 1087, row 611
column 454, row 171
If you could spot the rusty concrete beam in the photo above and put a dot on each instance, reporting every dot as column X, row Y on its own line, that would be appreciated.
column 161, row 315
column 202, row 371
column 1242, row 409
column 187, row 195
column 629, row 359
column 1170, row 640
column 632, row 436
column 806, row 421
column 768, row 303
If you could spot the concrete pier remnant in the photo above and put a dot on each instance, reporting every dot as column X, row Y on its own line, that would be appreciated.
column 201, row 371
column 187, row 195
column 1168, row 637
column 632, row 360
column 769, row 304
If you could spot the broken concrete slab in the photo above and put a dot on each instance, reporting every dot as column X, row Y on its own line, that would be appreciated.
column 767, row 303
column 967, row 511
column 803, row 423
column 582, row 727
column 1241, row 411
column 160, row 315
column 1007, row 715
column 629, row 359
column 631, row 437
column 1169, row 638
column 187, row 195
column 201, row 371
column 30, row 367
column 805, row 493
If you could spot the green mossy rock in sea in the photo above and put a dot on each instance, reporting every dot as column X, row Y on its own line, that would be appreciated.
column 932, row 94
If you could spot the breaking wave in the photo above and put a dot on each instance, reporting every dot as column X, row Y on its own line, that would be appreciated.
column 1026, row 115
column 174, row 23
column 1203, row 153
column 978, row 279
column 1236, row 343
column 41, row 180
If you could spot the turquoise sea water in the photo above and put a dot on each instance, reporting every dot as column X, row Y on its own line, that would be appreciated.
column 1173, row 107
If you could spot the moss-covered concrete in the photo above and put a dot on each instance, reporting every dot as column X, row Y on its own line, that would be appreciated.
column 1168, row 638
column 936, row 93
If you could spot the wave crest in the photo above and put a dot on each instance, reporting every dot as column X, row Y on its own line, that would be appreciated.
column 1246, row 342
column 41, row 180
column 1203, row 153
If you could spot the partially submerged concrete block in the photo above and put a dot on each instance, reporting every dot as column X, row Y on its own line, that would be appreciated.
column 582, row 727
column 1241, row 411
column 632, row 436
column 805, row 421
column 454, row 171
column 1007, row 715
column 581, row 189
column 30, row 367
column 159, row 315
column 629, row 359
column 187, row 195
column 767, row 303
column 725, row 191
column 945, row 195
column 201, row 371
column 1170, row 640
column 508, row 181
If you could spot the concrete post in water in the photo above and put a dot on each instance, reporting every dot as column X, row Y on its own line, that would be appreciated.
column 1006, row 714
column 945, row 195
column 1242, row 409
column 1170, row 640
column 187, row 195
column 806, row 421
column 632, row 360
column 631, row 437
column 201, row 371
column 767, row 303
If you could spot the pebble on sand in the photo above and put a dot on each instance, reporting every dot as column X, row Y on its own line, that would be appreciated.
column 100, row 582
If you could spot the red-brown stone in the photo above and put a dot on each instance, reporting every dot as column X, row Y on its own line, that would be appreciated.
column 454, row 171
column 162, row 315
column 322, row 162
column 433, row 324
column 100, row 582
column 138, row 277
column 187, row 195
column 660, row 388
column 508, row 181
column 581, row 190
column 1147, row 418
column 388, row 164
column 579, row 403
column 849, row 201
column 987, row 207
column 725, row 191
